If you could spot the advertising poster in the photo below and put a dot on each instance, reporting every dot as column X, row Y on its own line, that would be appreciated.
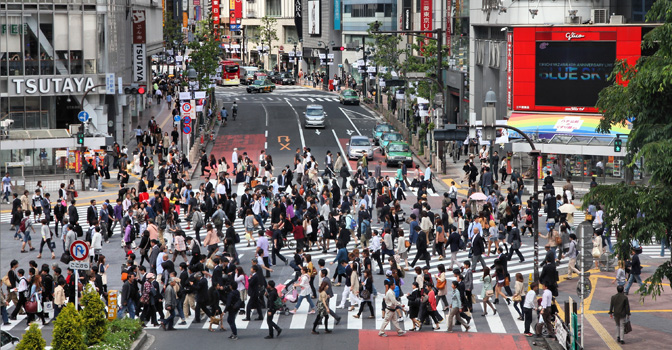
column 314, row 17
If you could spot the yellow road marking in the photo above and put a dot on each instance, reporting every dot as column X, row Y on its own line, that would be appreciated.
column 639, row 311
column 602, row 332
column 448, row 180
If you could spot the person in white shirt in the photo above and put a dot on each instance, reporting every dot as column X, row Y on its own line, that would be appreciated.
column 96, row 243
column 530, row 304
column 375, row 246
column 234, row 159
column 546, row 312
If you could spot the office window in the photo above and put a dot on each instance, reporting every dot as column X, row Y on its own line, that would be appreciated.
column 291, row 33
column 273, row 8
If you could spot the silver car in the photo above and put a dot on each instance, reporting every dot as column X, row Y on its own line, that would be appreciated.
column 358, row 145
column 315, row 116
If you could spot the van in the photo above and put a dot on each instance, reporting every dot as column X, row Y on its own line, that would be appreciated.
column 247, row 74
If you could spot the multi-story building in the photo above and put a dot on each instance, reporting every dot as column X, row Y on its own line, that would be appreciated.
column 54, row 57
column 546, row 62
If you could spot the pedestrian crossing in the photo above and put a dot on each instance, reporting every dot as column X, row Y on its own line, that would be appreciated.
column 281, row 98
column 505, row 321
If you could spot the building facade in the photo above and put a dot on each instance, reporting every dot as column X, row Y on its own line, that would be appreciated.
column 54, row 57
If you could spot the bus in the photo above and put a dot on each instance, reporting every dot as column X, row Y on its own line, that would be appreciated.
column 230, row 73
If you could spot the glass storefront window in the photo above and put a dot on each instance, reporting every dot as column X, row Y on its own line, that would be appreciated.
column 33, row 113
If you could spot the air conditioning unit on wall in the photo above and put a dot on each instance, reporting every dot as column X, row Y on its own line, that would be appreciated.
column 598, row 16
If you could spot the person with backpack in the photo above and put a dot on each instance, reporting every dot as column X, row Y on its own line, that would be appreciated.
column 25, row 227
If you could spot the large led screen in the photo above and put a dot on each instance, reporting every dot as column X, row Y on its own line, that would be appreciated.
column 571, row 73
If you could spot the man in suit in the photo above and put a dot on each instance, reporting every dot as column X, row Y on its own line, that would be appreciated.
column 282, row 181
column 201, row 286
column 229, row 266
column 256, row 287
column 73, row 215
column 227, row 184
column 289, row 175
column 92, row 213
column 107, row 159
column 398, row 192
column 478, row 248
column 153, row 255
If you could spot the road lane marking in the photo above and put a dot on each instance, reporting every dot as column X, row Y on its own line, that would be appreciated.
column 353, row 124
column 298, row 123
column 265, row 112
column 338, row 142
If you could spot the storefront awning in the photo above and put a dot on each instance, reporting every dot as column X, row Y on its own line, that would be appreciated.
column 546, row 125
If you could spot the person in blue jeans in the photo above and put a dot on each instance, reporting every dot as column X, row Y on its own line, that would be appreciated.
column 635, row 272
column 127, row 304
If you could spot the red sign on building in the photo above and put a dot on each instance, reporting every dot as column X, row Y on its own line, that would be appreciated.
column 139, row 24
column 425, row 17
column 215, row 17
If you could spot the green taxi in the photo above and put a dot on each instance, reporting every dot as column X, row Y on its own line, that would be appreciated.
column 379, row 130
column 388, row 137
column 348, row 96
column 261, row 86
column 397, row 152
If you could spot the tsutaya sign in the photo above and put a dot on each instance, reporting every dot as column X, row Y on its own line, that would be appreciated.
column 50, row 86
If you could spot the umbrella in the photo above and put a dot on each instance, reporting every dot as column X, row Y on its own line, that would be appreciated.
column 261, row 187
column 478, row 196
column 567, row 208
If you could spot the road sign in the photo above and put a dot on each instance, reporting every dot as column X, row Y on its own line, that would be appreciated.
column 79, row 250
column 79, row 265
column 187, row 119
column 186, row 107
column 187, row 129
column 176, row 118
column 83, row 116
column 109, row 84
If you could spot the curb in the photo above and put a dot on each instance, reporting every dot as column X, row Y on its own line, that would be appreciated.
column 145, row 340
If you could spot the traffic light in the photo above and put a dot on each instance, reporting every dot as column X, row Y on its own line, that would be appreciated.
column 135, row 89
column 618, row 143
column 80, row 138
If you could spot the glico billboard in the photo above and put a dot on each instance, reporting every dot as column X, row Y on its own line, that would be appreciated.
column 563, row 69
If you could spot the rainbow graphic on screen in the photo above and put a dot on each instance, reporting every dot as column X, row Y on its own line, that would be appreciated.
column 547, row 125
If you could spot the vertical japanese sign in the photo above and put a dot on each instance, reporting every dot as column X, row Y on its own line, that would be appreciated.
column 337, row 14
column 235, row 14
column 407, row 15
column 298, row 18
column 425, row 17
column 449, row 28
column 139, row 52
column 215, row 18
column 509, row 70
column 139, row 24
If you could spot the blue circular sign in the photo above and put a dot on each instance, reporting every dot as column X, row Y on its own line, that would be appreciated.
column 187, row 120
column 187, row 129
column 83, row 116
column 176, row 118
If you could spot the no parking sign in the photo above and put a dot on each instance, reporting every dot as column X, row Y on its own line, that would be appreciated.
column 186, row 108
column 79, row 250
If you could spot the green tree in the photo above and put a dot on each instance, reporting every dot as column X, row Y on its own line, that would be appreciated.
column 205, row 53
column 647, row 97
column 32, row 339
column 172, row 32
column 386, row 52
column 67, row 334
column 94, row 318
column 427, row 63
column 268, row 32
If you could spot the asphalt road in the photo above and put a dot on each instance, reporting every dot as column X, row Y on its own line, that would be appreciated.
column 275, row 121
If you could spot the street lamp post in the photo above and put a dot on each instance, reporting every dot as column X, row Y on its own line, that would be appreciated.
column 192, row 75
column 325, row 85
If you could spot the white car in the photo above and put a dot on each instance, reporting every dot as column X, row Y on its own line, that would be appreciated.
column 315, row 116
column 358, row 145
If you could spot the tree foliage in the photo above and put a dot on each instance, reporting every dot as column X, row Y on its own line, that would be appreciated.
column 268, row 32
column 32, row 339
column 205, row 53
column 172, row 32
column 67, row 334
column 639, row 211
column 94, row 318
column 386, row 51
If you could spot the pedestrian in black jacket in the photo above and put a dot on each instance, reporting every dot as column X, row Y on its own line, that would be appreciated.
column 233, row 303
column 272, row 296
column 201, row 286
column 477, row 249
column 256, row 285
